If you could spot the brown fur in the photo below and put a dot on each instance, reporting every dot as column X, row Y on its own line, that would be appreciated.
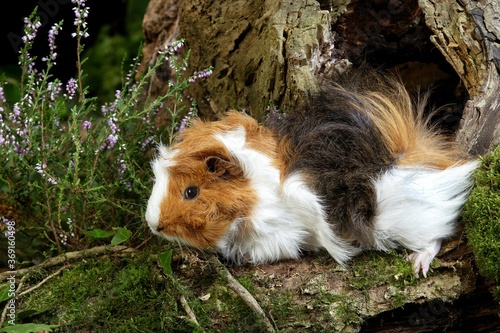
column 407, row 132
column 224, row 194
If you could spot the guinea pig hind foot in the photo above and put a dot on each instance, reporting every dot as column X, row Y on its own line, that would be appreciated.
column 422, row 259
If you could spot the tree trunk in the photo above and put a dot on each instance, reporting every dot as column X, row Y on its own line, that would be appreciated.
column 468, row 34
column 270, row 52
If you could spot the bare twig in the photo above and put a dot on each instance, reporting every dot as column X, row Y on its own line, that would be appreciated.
column 246, row 296
column 188, row 310
column 143, row 243
column 41, row 283
column 59, row 260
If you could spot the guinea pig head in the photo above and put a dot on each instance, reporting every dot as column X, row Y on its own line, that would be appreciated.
column 198, row 194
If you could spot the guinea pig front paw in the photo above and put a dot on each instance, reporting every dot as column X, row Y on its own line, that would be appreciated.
column 422, row 259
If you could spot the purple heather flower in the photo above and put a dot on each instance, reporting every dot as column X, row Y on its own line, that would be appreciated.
column 71, row 87
column 81, row 13
column 87, row 125
column 55, row 89
column 182, row 125
column 186, row 119
column 200, row 75
column 122, row 168
column 16, row 110
column 147, row 142
column 30, row 29
column 53, row 32
column 110, row 142
column 79, row 2
column 173, row 47
column 40, row 168
column 2, row 95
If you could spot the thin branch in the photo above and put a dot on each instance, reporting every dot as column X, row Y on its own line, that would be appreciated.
column 41, row 283
column 246, row 296
column 69, row 256
column 189, row 311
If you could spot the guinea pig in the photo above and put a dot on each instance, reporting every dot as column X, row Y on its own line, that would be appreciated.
column 357, row 167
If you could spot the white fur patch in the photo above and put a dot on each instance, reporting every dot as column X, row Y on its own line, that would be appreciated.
column 308, row 209
column 274, row 232
column 160, row 170
column 417, row 207
column 285, row 220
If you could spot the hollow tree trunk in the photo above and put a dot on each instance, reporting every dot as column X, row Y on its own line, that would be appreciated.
column 270, row 52
column 468, row 34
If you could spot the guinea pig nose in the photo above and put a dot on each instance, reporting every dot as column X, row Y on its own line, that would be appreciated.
column 159, row 228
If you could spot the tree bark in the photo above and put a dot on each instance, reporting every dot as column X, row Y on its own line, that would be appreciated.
column 468, row 34
column 263, row 52
column 269, row 52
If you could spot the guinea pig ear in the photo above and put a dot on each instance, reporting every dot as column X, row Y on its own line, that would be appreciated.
column 222, row 167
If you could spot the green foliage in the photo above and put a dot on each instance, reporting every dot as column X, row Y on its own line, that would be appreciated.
column 122, row 235
column 482, row 217
column 132, row 294
column 4, row 294
column 99, row 233
column 109, row 54
column 76, row 167
column 165, row 260
column 108, row 296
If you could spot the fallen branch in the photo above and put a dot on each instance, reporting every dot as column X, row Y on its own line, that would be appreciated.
column 41, row 283
column 189, row 311
column 69, row 256
column 246, row 296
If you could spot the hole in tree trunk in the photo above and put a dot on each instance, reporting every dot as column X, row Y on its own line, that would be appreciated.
column 392, row 35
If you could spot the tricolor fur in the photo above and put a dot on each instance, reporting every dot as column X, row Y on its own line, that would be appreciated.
column 357, row 168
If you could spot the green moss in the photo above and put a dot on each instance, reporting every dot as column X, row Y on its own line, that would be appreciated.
column 482, row 217
column 281, row 307
column 399, row 299
column 108, row 296
column 133, row 295
column 347, row 313
column 377, row 268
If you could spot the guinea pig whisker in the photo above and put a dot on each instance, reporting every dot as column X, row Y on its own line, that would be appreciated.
column 180, row 244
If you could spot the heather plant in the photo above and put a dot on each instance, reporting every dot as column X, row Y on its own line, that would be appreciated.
column 72, row 166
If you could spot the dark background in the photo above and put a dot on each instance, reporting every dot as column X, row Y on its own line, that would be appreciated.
column 115, row 33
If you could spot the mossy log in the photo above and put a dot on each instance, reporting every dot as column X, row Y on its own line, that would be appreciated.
column 271, row 52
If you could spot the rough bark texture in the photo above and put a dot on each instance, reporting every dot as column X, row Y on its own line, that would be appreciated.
column 272, row 51
column 262, row 51
column 468, row 34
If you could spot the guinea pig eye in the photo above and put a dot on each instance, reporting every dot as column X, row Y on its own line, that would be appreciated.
column 191, row 192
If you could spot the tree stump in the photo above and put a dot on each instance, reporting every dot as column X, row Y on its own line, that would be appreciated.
column 271, row 52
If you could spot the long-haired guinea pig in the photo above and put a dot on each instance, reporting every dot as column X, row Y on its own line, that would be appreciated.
column 356, row 168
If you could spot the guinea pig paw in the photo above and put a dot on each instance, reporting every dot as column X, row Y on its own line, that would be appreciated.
column 422, row 259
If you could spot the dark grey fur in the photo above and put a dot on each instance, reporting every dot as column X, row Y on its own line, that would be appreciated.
column 341, row 152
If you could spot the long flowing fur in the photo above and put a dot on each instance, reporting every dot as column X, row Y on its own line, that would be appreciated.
column 385, row 176
column 357, row 167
